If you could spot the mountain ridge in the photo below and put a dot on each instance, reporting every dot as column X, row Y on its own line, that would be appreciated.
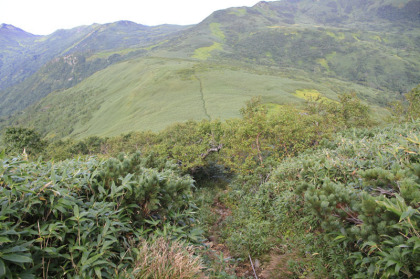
column 11, row 29
column 83, row 41
column 372, row 50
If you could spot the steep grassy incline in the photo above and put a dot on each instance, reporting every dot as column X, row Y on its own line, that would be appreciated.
column 151, row 93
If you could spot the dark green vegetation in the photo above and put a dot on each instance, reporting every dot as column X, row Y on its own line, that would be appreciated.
column 84, row 218
column 312, row 193
column 350, row 208
column 151, row 77
column 24, row 140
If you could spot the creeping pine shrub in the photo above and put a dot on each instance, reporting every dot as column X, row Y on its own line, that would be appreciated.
column 81, row 218
column 365, row 193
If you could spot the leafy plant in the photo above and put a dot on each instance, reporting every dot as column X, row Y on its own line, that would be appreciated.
column 81, row 218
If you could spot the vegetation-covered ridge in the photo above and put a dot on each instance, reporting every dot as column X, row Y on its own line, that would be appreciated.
column 157, row 91
column 314, row 193
column 130, row 151
column 368, row 47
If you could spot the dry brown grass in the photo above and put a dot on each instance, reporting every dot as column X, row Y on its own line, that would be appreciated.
column 163, row 259
column 278, row 267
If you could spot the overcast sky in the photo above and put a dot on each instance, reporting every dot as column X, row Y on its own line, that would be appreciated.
column 43, row 17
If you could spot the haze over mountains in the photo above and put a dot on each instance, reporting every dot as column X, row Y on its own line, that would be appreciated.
column 118, row 77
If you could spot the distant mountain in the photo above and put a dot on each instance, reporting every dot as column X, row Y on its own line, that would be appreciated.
column 33, row 66
column 150, row 77
column 27, row 53
column 369, row 15
column 11, row 35
column 374, row 43
column 13, row 42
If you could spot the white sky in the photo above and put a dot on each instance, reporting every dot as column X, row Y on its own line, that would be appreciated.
column 43, row 17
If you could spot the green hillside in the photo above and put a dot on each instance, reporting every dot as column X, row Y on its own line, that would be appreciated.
column 151, row 93
column 275, row 141
column 34, row 66
column 373, row 45
column 124, row 77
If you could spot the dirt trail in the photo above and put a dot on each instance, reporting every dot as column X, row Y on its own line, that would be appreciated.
column 243, row 269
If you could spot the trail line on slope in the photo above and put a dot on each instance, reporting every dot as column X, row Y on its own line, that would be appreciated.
column 202, row 97
column 218, row 248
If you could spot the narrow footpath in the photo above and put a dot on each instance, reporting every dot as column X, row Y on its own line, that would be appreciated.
column 202, row 97
column 218, row 249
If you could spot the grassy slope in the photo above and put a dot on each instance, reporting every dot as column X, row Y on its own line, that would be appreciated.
column 188, row 78
column 151, row 93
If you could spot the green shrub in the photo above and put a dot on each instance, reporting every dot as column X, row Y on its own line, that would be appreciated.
column 365, row 192
column 19, row 140
column 80, row 218
column 409, row 109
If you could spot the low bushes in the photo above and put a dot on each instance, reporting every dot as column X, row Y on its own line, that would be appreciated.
column 349, row 208
column 81, row 218
column 364, row 190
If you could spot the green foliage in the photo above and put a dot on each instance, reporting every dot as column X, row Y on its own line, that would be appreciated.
column 408, row 109
column 83, row 218
column 330, row 201
column 261, row 138
column 413, row 98
column 19, row 139
column 190, row 143
column 348, row 112
column 247, row 145
column 365, row 192
column 348, row 208
column 88, row 146
column 254, row 143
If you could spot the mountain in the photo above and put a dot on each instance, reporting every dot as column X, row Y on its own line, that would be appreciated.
column 357, row 14
column 120, row 77
column 13, row 42
column 34, row 66
column 358, row 41
column 10, row 36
